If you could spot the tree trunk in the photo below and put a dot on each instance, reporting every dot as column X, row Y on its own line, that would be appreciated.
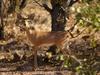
column 1, row 20
column 58, row 16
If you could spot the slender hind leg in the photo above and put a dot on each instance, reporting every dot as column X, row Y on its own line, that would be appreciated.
column 35, row 58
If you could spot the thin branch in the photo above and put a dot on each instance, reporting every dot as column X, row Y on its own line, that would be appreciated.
column 85, row 28
column 47, row 8
column 70, row 34
column 74, row 27
column 80, row 32
column 43, row 5
column 38, row 3
column 84, row 19
column 71, row 2
column 71, row 29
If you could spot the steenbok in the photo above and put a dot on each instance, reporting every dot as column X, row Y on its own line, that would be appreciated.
column 41, row 38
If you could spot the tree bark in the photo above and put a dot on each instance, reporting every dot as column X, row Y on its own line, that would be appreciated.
column 58, row 17
column 1, row 22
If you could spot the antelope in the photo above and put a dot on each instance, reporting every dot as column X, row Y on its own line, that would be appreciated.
column 41, row 38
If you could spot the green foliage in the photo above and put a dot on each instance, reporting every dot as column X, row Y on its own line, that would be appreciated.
column 93, row 43
column 67, row 62
column 87, row 1
column 85, row 70
column 89, row 14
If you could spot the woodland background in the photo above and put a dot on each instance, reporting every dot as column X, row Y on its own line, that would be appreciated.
column 79, row 17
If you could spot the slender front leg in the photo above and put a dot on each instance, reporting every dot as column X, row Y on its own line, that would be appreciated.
column 35, row 58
